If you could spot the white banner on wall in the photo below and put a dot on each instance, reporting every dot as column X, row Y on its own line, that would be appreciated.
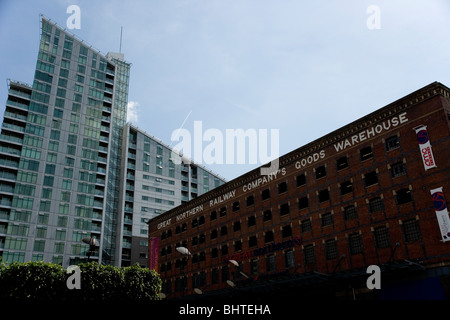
column 425, row 147
column 440, row 206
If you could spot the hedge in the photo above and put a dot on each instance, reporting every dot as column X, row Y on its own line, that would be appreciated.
column 36, row 281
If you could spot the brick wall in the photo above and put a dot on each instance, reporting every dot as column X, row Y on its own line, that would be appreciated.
column 378, row 230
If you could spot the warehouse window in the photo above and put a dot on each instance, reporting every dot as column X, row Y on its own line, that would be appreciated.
column 236, row 206
column 265, row 194
column 289, row 259
column 237, row 245
column 403, row 196
column 398, row 169
column 224, row 231
column 342, row 163
column 346, row 187
column 252, row 241
column 366, row 153
column 213, row 215
column 282, row 187
column 381, row 235
column 324, row 195
column 286, row 231
column 236, row 226
column 267, row 215
column 284, row 209
column 321, row 172
column 327, row 219
column 225, row 273
column 270, row 263
column 392, row 143
column 331, row 251
column 224, row 250
column 215, row 276
column 223, row 211
column 268, row 236
column 376, row 205
column 303, row 203
column 355, row 243
column 254, row 266
column 309, row 254
column 370, row 178
column 306, row 225
column 250, row 200
column 411, row 230
column 301, row 180
column 251, row 221
column 214, row 234
column 350, row 212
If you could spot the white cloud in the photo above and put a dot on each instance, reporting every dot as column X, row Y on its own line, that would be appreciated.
column 132, row 111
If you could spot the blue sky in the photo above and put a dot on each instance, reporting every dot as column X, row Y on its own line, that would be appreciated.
column 304, row 68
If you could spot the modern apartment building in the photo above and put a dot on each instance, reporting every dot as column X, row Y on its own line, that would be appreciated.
column 153, row 182
column 67, row 158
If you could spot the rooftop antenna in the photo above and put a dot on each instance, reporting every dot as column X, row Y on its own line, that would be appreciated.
column 120, row 48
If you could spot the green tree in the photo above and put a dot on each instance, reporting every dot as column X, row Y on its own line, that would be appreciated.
column 32, row 280
column 37, row 281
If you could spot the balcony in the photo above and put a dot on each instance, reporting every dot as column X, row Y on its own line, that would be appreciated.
column 5, row 175
column 5, row 202
column 9, row 163
column 128, row 209
column 6, row 188
column 14, row 127
column 9, row 138
column 17, row 104
column 11, row 151
column 15, row 116
column 126, row 245
column 19, row 94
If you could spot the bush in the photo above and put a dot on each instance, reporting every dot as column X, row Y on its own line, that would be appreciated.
column 47, row 281
column 32, row 280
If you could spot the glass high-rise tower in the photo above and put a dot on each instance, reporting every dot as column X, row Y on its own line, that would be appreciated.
column 59, row 161
column 61, row 156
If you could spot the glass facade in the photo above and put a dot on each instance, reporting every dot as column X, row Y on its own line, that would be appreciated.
column 152, row 183
column 63, row 175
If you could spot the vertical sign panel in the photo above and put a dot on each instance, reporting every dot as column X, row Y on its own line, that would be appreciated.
column 153, row 251
column 425, row 147
column 440, row 207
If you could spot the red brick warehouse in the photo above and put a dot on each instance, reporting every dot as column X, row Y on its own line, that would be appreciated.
column 369, row 193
